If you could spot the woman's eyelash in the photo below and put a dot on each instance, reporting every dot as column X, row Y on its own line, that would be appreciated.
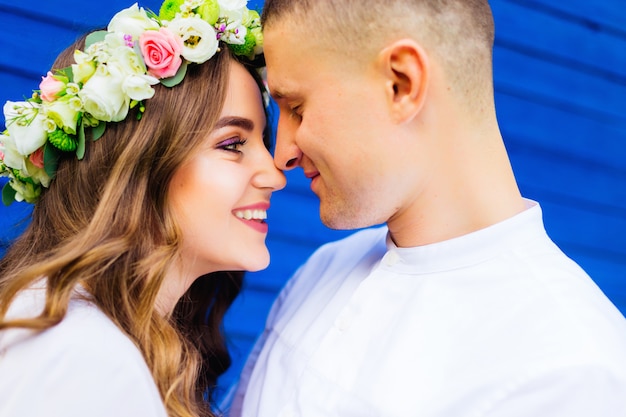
column 232, row 144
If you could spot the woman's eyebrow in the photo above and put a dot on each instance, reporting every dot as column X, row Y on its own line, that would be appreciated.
column 241, row 122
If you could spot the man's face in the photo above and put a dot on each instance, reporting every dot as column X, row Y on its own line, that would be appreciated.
column 334, row 123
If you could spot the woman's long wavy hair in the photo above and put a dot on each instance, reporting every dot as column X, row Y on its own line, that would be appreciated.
column 105, row 224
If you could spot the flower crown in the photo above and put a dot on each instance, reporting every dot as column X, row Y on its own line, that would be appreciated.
column 115, row 73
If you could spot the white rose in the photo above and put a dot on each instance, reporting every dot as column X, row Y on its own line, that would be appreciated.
column 199, row 38
column 103, row 96
column 132, row 21
column 137, row 84
column 25, row 125
column 138, row 87
column 11, row 157
column 128, row 59
column 63, row 113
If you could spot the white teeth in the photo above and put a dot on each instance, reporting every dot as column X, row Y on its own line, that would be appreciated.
column 251, row 214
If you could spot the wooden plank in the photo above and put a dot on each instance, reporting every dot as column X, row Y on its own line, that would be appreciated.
column 595, row 14
column 556, row 38
column 586, row 185
column 561, row 86
column 84, row 15
column 574, row 136
column 30, row 56
column 77, row 14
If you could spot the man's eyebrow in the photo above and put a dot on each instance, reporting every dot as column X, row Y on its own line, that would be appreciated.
column 241, row 122
column 276, row 94
column 279, row 93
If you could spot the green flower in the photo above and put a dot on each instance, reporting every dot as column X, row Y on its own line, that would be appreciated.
column 25, row 190
column 247, row 48
column 209, row 11
column 62, row 141
column 169, row 8
column 17, row 174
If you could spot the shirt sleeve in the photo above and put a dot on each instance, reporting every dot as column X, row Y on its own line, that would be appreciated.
column 233, row 402
column 580, row 391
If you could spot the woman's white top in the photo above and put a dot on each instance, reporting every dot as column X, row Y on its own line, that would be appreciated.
column 84, row 366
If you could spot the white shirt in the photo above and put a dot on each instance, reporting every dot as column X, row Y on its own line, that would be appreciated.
column 496, row 323
column 84, row 366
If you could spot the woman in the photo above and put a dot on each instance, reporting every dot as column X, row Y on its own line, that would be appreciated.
column 111, row 302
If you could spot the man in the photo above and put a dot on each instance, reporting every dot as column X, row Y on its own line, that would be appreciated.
column 461, row 305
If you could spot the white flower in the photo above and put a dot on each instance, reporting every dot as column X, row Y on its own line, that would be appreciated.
column 233, row 13
column 76, row 103
column 228, row 5
column 132, row 21
column 137, row 84
column 103, row 96
column 11, row 156
column 71, row 89
column 84, row 67
column 137, row 87
column 128, row 58
column 235, row 35
column 25, row 191
column 193, row 4
column 98, row 52
column 25, row 125
column 38, row 175
column 199, row 38
column 49, row 126
column 63, row 114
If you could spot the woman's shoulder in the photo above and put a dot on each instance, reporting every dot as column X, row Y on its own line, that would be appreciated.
column 86, row 355
column 84, row 334
column 85, row 328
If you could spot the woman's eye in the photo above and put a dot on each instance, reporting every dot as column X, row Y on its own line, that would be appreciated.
column 232, row 144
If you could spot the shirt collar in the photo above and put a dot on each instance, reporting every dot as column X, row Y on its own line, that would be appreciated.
column 470, row 249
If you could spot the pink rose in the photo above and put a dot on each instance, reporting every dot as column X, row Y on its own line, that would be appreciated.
column 50, row 87
column 161, row 52
column 37, row 158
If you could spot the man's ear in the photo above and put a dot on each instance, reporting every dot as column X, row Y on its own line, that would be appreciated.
column 404, row 64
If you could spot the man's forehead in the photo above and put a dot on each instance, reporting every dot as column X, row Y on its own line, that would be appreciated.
column 281, row 87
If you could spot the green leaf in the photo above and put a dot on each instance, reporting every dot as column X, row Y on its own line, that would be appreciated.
column 50, row 159
column 8, row 194
column 95, row 37
column 176, row 79
column 98, row 131
column 67, row 72
column 80, row 149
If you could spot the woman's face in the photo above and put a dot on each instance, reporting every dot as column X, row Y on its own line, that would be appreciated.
column 220, row 197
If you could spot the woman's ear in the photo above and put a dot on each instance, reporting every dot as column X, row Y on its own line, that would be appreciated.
column 404, row 65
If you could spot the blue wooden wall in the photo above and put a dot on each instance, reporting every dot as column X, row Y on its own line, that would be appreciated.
column 560, row 77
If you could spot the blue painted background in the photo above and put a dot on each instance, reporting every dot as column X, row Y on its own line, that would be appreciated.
column 560, row 77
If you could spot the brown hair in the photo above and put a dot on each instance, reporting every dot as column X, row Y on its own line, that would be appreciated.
column 460, row 33
column 104, row 223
